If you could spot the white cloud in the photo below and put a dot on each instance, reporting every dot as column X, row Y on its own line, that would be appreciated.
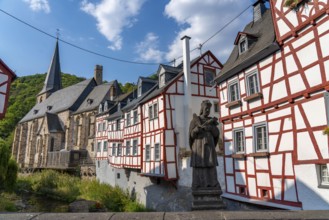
column 148, row 49
column 112, row 17
column 201, row 21
column 39, row 5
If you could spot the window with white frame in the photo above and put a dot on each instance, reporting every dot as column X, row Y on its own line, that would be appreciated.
column 127, row 148
column 260, row 136
column 114, row 149
column 162, row 79
column 112, row 127
column 135, row 117
column 105, row 146
column 128, row 118
column 135, row 145
column 99, row 127
column 233, row 91
column 119, row 152
column 153, row 111
column 157, row 151
column 147, row 152
column 243, row 44
column 99, row 144
column 139, row 89
column 252, row 83
column 239, row 140
column 209, row 76
column 100, row 108
column 104, row 126
column 324, row 175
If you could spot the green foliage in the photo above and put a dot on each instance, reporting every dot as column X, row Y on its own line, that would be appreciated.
column 11, row 175
column 290, row 3
column 68, row 188
column 8, row 166
column 6, row 204
column 22, row 98
column 127, row 87
column 326, row 131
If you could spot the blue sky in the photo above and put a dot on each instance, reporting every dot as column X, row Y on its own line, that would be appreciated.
column 145, row 31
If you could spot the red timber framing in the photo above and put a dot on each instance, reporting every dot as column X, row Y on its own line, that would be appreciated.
column 292, row 106
column 101, row 138
column 287, row 24
column 163, row 129
column 6, row 78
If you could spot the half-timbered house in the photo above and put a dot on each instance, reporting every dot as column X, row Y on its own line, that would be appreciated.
column 6, row 78
column 153, row 159
column 274, row 107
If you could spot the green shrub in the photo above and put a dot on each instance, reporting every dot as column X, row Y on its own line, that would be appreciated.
column 11, row 175
column 6, row 204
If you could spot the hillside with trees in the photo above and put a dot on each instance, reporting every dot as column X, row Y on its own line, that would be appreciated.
column 22, row 98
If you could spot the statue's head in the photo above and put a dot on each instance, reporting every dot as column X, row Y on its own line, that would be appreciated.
column 205, row 108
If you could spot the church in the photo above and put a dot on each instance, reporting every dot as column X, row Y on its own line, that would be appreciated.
column 58, row 132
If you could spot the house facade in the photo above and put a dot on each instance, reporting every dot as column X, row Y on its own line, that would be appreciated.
column 7, row 76
column 273, row 95
column 149, row 154
column 58, row 132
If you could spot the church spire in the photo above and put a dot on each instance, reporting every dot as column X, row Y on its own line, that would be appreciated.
column 53, row 80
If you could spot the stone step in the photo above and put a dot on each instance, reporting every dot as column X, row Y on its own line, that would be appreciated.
column 203, row 202
column 208, row 207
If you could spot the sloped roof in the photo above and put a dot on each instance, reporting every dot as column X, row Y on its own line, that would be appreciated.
column 64, row 99
column 2, row 63
column 97, row 95
column 53, row 122
column 53, row 81
column 264, row 45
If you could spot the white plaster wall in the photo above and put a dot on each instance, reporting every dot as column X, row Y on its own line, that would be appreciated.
column 229, row 165
column 287, row 142
column 313, row 75
column 277, row 183
column 307, row 55
column 290, row 190
column 304, row 142
column 2, row 102
column 230, row 184
column 296, row 84
column 250, row 166
column 279, row 113
column 322, row 141
column 263, row 179
column 261, row 164
column 240, row 178
column 324, row 43
column 290, row 63
column 304, row 39
column 309, row 194
column 288, row 167
column 279, row 90
column 265, row 61
column 252, row 186
column 274, row 126
column 315, row 118
column 276, row 164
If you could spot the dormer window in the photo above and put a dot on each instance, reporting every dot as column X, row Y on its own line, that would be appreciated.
column 100, row 108
column 35, row 111
column 139, row 89
column 90, row 101
column 243, row 45
column 162, row 80
column 105, row 106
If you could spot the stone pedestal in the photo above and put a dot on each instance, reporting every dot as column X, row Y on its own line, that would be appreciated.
column 207, row 199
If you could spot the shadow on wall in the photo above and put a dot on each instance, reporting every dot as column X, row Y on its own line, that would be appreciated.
column 163, row 196
column 310, row 194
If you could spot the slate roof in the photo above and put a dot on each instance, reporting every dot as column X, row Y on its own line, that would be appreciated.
column 53, row 80
column 97, row 96
column 68, row 98
column 53, row 122
column 264, row 45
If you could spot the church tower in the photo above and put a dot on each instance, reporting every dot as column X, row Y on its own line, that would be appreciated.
column 53, row 80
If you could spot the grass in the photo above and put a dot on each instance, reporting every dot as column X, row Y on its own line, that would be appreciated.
column 69, row 188
column 6, row 202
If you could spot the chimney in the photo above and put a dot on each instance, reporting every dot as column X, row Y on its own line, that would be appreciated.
column 98, row 74
column 259, row 9
column 187, row 89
